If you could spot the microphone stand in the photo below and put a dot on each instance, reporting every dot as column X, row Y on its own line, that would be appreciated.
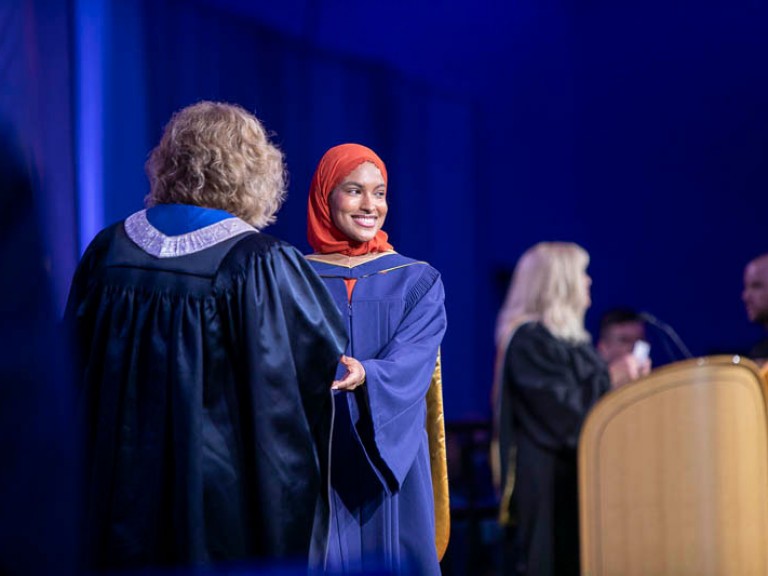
column 669, row 331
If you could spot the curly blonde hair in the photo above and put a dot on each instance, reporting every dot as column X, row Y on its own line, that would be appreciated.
column 548, row 286
column 218, row 155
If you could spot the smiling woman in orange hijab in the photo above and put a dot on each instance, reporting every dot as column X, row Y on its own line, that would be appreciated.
column 324, row 236
column 382, row 500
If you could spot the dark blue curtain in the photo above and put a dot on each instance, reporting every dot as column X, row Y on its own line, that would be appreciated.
column 38, row 479
column 639, row 131
column 36, row 112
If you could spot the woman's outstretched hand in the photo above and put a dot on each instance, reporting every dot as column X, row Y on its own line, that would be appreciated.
column 354, row 377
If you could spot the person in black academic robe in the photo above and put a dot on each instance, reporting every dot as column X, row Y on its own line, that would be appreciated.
column 548, row 378
column 206, row 352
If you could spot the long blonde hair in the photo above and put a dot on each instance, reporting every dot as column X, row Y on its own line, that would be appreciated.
column 548, row 286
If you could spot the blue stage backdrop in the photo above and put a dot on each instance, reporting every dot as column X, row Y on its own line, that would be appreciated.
column 36, row 82
column 637, row 130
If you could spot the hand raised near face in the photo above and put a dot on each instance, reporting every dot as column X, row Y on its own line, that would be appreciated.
column 627, row 368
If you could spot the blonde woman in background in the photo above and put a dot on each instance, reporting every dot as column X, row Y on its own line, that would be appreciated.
column 548, row 377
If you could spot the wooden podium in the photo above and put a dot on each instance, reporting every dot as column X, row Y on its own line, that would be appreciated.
column 673, row 474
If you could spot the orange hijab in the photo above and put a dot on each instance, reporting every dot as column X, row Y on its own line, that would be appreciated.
column 334, row 166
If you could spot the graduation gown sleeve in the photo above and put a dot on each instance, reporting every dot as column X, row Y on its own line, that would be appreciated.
column 398, row 379
column 293, row 338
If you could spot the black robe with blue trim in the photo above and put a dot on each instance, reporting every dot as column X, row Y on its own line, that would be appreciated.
column 204, row 394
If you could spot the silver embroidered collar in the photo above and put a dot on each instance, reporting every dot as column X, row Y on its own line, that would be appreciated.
column 154, row 242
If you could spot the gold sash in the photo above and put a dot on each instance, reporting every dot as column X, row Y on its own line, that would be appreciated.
column 437, row 460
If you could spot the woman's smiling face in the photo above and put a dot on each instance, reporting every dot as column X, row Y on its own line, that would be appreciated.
column 358, row 205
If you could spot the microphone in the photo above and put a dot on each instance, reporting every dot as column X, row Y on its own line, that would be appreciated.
column 668, row 330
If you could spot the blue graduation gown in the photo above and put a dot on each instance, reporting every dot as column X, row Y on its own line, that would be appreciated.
column 206, row 352
column 381, row 498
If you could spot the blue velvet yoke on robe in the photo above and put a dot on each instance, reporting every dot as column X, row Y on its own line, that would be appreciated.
column 382, row 501
column 203, row 377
